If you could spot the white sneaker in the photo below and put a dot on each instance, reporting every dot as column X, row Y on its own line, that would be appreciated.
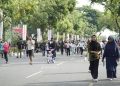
column 89, row 71
column 53, row 61
column 95, row 80
column 110, row 79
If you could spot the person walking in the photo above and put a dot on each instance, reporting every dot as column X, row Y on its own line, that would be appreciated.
column 62, row 47
column 111, row 54
column 6, row 47
column 94, row 50
column 81, row 45
column 19, row 46
column 68, row 48
column 30, row 48
column 1, row 49
column 52, row 47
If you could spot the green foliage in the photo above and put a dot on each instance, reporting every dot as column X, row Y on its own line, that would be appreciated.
column 112, row 6
column 65, row 26
column 60, row 15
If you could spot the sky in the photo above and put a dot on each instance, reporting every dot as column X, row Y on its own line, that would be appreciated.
column 81, row 3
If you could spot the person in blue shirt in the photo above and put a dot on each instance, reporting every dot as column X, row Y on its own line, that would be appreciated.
column 1, row 48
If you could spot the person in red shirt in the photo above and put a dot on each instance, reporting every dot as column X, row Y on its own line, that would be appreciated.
column 6, row 47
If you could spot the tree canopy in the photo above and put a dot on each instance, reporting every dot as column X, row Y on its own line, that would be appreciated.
column 60, row 15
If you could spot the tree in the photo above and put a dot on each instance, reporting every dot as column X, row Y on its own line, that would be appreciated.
column 114, row 7
column 86, row 21
column 50, row 12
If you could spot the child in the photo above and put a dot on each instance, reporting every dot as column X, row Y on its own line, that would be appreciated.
column 49, row 57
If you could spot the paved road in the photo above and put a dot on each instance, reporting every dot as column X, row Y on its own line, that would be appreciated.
column 67, row 71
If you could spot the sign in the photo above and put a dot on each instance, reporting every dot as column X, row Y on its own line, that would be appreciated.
column 18, row 31
column 72, row 37
column 68, row 37
column 24, row 32
column 78, row 37
column 49, row 34
column 39, row 35
column 63, row 36
column 57, row 36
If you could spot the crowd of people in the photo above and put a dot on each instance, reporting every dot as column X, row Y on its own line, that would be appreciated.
column 108, row 50
column 30, row 46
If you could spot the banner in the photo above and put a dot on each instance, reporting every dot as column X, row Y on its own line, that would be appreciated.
column 57, row 36
column 24, row 32
column 72, row 37
column 17, row 30
column 49, row 34
column 39, row 35
column 68, row 37
column 78, row 37
column 1, row 25
column 63, row 36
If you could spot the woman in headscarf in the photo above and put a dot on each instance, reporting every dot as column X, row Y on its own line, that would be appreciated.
column 111, row 54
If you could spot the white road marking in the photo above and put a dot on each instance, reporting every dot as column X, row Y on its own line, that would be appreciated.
column 91, row 84
column 33, row 74
column 49, row 67
column 60, row 63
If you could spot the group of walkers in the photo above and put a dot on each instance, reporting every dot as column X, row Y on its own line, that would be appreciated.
column 30, row 46
column 72, row 47
column 108, row 50
column 68, row 47
column 110, row 53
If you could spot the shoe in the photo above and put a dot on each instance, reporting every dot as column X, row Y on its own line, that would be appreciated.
column 48, row 61
column 110, row 79
column 95, row 80
column 53, row 61
column 30, row 63
column 89, row 71
column 6, row 62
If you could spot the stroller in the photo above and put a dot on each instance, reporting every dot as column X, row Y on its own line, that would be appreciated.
column 50, row 57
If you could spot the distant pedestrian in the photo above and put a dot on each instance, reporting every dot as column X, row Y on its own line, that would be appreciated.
column 68, row 48
column 1, row 49
column 52, row 47
column 111, row 54
column 62, row 47
column 82, row 46
column 6, row 47
column 19, row 47
column 94, row 50
column 30, row 48
column 43, row 48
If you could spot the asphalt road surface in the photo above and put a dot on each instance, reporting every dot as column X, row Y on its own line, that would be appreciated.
column 66, row 71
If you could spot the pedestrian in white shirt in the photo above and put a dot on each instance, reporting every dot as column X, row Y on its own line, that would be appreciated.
column 30, row 47
column 81, row 45
column 68, row 48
